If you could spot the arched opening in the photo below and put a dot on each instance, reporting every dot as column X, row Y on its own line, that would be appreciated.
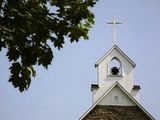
column 115, row 67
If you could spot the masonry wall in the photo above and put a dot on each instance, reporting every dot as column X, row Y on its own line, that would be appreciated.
column 103, row 112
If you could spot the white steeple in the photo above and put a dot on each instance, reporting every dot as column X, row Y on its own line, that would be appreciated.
column 115, row 95
column 114, row 66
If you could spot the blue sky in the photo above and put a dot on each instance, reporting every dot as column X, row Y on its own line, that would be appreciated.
column 63, row 91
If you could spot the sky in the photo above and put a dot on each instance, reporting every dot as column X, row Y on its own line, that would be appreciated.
column 63, row 91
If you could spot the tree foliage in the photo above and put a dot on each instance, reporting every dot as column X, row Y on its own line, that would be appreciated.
column 27, row 26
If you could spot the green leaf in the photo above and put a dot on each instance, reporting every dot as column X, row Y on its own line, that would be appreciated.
column 15, row 68
column 13, row 54
column 46, row 57
column 1, row 45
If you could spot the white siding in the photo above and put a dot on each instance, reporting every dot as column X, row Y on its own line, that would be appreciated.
column 117, row 97
column 105, row 80
column 135, row 94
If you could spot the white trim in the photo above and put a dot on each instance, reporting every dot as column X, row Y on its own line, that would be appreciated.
column 118, row 84
column 96, row 102
column 115, row 47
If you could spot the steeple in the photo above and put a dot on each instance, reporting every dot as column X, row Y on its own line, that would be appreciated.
column 115, row 95
column 114, row 66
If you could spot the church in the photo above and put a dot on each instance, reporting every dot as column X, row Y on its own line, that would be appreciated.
column 115, row 96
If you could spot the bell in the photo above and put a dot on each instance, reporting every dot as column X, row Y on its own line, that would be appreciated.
column 115, row 71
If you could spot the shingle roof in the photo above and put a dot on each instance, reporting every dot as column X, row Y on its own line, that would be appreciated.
column 105, row 112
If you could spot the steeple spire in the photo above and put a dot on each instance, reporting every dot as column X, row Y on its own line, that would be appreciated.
column 114, row 22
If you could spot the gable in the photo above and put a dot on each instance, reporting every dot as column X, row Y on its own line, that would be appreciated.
column 116, row 97
column 100, row 101
column 115, row 51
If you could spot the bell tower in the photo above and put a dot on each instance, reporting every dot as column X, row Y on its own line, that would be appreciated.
column 114, row 66
column 115, row 96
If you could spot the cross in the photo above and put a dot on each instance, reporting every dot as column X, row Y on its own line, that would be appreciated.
column 114, row 22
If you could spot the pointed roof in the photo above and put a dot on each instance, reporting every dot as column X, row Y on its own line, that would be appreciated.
column 120, row 51
column 123, row 90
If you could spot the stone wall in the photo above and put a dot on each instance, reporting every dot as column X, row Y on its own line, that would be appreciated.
column 103, row 112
